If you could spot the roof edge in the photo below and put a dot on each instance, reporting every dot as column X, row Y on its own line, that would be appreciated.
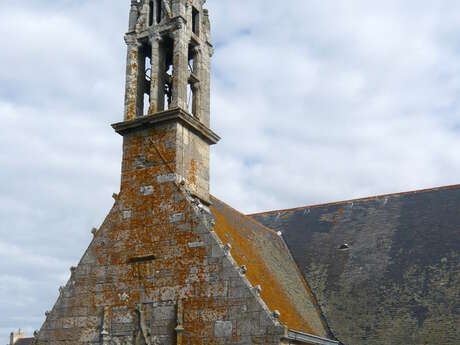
column 309, row 339
column 369, row 198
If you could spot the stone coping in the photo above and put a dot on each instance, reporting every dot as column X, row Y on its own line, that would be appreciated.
column 309, row 339
column 176, row 114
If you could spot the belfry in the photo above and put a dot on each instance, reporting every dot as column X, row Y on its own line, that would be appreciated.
column 168, row 81
column 169, row 51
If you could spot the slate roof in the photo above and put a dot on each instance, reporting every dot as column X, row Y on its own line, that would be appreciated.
column 385, row 269
column 271, row 266
column 24, row 341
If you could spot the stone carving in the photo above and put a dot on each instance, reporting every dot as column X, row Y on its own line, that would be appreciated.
column 143, row 20
column 133, row 15
column 139, row 20
column 166, row 8
column 143, row 335
column 106, row 339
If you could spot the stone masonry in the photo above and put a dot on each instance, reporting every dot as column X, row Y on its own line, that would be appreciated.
column 156, row 273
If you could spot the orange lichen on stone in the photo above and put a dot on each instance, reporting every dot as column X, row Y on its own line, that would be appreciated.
column 192, row 172
column 250, row 242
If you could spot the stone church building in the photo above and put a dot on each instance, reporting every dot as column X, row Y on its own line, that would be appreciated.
column 171, row 264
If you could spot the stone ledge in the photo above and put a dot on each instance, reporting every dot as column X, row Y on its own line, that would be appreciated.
column 309, row 339
column 172, row 115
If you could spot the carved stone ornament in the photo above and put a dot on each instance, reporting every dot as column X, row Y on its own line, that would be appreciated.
column 142, row 22
column 143, row 335
column 166, row 8
column 179, row 23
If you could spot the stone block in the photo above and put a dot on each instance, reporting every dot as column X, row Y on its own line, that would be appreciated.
column 223, row 329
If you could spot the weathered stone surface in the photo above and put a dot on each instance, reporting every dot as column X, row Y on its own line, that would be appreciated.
column 386, row 270
column 269, row 266
column 139, row 268
column 223, row 329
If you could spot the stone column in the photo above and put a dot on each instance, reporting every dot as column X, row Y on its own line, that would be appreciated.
column 156, row 76
column 205, row 75
column 180, row 73
column 133, row 15
column 205, row 84
column 196, row 86
column 131, row 77
column 105, row 333
column 180, row 323
column 196, row 104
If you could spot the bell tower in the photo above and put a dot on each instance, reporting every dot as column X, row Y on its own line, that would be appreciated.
column 168, row 86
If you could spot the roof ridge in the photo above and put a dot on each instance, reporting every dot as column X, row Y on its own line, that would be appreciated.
column 369, row 198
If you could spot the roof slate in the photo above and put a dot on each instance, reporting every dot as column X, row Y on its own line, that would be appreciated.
column 271, row 266
column 384, row 269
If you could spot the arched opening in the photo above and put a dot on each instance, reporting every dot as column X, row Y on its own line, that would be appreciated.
column 144, row 79
column 195, row 21
column 151, row 13
column 166, row 76
column 159, row 10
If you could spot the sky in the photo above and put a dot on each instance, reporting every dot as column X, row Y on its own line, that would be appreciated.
column 315, row 100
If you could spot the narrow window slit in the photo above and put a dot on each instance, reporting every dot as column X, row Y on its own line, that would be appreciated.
column 151, row 13
column 159, row 11
column 139, row 259
column 195, row 20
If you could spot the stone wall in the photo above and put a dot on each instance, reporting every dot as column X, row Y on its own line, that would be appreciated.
column 156, row 273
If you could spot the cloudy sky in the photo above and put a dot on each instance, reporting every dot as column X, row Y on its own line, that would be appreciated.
column 316, row 101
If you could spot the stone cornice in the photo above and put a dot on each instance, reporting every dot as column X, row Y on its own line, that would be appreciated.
column 173, row 115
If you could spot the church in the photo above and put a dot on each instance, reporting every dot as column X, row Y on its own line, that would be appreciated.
column 172, row 264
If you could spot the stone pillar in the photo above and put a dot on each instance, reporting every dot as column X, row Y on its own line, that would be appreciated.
column 180, row 73
column 156, row 76
column 205, row 74
column 132, row 72
column 180, row 323
column 196, row 86
column 205, row 78
column 106, row 327
column 196, row 103
column 133, row 15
